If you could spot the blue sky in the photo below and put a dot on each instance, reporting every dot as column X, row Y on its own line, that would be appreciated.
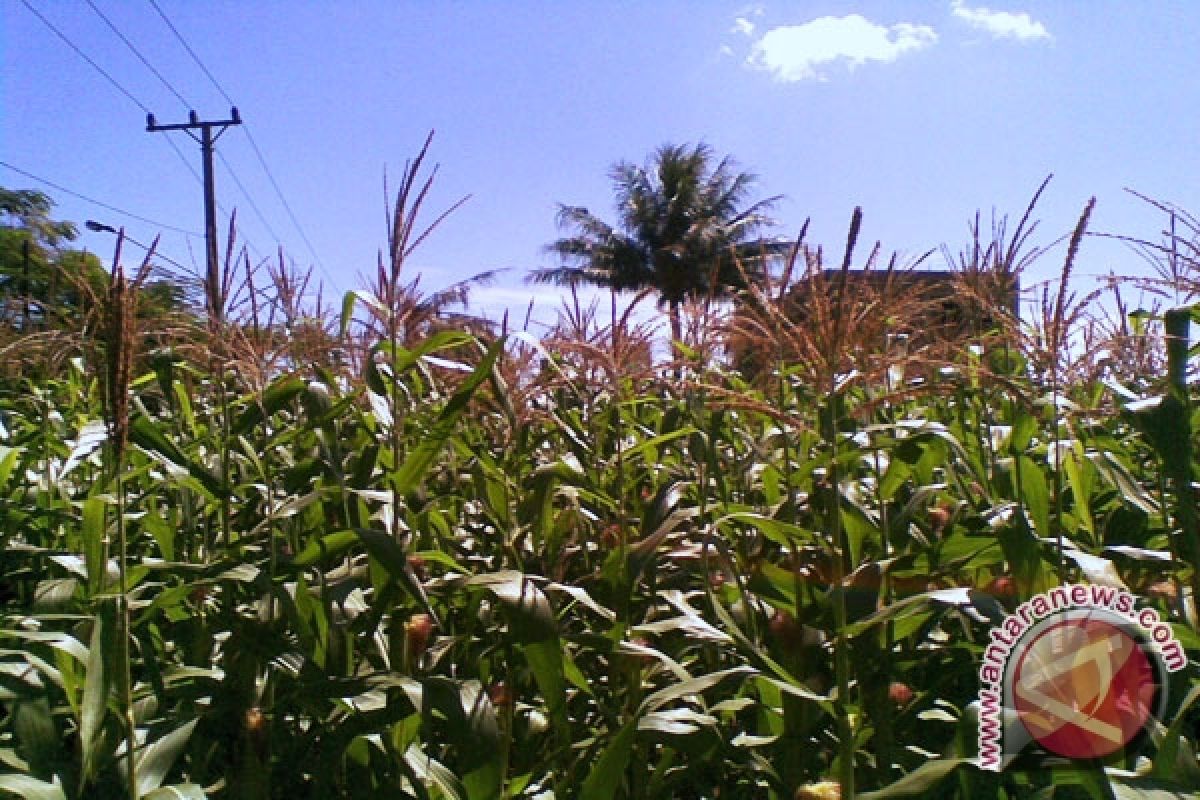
column 920, row 112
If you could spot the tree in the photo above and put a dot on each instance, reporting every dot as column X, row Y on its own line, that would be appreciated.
column 43, row 281
column 683, row 230
column 30, row 252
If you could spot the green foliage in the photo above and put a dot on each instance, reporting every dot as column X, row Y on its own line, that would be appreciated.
column 443, row 576
column 44, row 283
column 40, row 279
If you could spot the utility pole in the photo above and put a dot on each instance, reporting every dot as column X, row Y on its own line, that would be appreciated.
column 213, row 299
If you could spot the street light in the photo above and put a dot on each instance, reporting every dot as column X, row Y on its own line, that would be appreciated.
column 100, row 227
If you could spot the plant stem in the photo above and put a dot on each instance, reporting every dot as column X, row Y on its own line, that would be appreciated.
column 123, row 636
column 1179, row 462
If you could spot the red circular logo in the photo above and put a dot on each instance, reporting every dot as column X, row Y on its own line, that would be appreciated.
column 1083, row 687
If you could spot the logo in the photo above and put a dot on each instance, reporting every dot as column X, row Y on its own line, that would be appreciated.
column 1076, row 672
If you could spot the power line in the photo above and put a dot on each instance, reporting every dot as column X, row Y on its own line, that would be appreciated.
column 113, row 209
column 226, row 215
column 137, row 53
column 99, row 203
column 145, row 109
column 79, row 52
column 84, row 56
column 282, row 199
column 185, row 161
column 187, row 273
column 246, row 194
column 249, row 136
column 187, row 105
column 170, row 87
column 192, row 53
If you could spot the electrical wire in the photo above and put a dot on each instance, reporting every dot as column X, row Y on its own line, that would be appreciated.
column 100, row 203
column 253, row 205
column 145, row 109
column 139, row 55
column 283, row 200
column 79, row 52
column 184, row 159
column 249, row 136
column 84, row 56
column 192, row 53
column 186, row 271
column 187, row 105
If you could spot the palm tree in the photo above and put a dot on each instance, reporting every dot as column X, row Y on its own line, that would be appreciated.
column 682, row 230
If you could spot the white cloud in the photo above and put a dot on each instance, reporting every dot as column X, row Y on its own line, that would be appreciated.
column 725, row 50
column 1000, row 24
column 796, row 52
column 743, row 26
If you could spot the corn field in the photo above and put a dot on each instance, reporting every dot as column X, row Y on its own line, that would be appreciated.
column 284, row 552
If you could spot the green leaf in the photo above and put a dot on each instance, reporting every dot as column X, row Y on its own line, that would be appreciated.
column 348, row 301
column 917, row 605
column 96, row 688
column 377, row 306
column 180, row 791
column 641, row 554
column 1119, row 477
column 1024, row 427
column 422, row 456
column 94, row 518
column 694, row 686
column 431, row 771
column 920, row 782
column 472, row 728
column 321, row 547
column 155, row 760
column 277, row 397
column 1163, row 421
column 8, row 462
column 1035, row 493
column 895, row 476
column 90, row 437
column 31, row 788
column 545, row 660
column 380, row 545
column 1132, row 787
column 529, row 612
column 858, row 527
column 651, row 444
column 392, row 557
column 778, row 531
column 146, row 435
column 164, row 533
column 676, row 722
column 59, row 641
column 1023, row 551
column 37, row 738
column 605, row 779
column 1175, row 757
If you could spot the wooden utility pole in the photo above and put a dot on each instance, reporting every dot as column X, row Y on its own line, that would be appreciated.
column 213, row 300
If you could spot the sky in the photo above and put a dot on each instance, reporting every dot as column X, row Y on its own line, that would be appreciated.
column 919, row 112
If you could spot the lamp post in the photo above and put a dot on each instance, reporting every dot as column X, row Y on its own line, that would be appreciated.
column 100, row 227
